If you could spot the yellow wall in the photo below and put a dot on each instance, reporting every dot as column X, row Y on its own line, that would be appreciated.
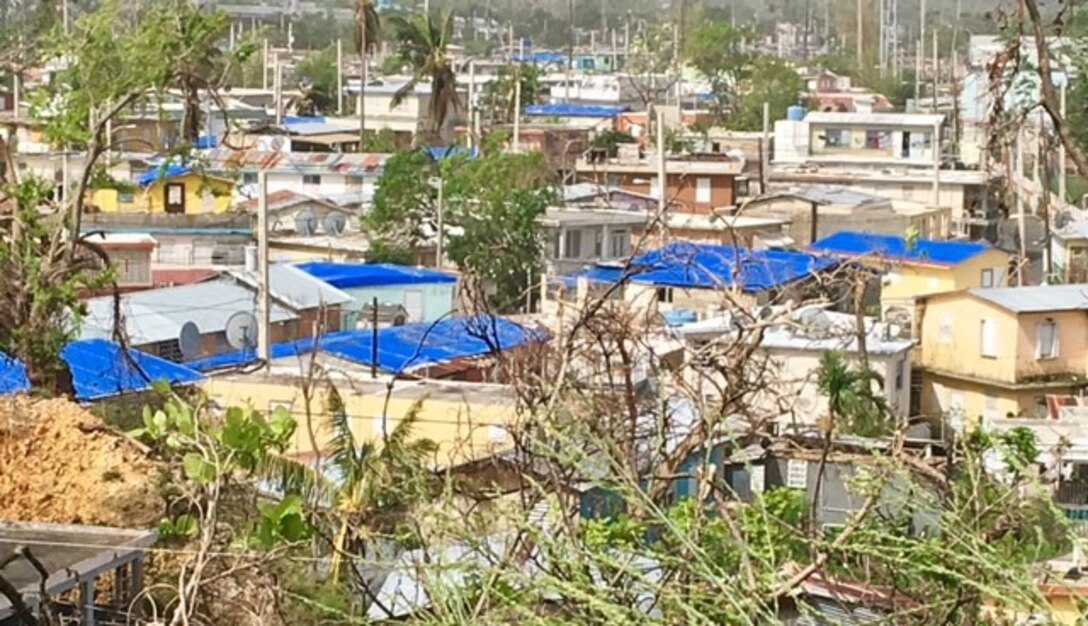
column 461, row 424
column 1016, row 349
column 150, row 199
column 977, row 399
column 904, row 282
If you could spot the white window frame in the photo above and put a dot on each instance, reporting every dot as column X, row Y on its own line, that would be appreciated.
column 986, row 280
column 987, row 338
column 703, row 190
column 619, row 243
column 944, row 330
column 797, row 474
column 572, row 242
column 1053, row 353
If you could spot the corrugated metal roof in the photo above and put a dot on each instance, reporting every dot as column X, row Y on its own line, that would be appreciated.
column 891, row 247
column 294, row 287
column 158, row 314
column 1037, row 299
column 825, row 194
column 226, row 159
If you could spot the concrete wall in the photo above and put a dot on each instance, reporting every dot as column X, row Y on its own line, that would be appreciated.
column 437, row 300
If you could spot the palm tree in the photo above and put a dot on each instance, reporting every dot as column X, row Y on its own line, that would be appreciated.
column 422, row 42
column 367, row 29
column 852, row 402
column 368, row 487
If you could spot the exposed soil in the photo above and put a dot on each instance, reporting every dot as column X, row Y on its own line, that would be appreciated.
column 61, row 464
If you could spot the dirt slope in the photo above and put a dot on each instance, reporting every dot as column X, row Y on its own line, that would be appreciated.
column 59, row 463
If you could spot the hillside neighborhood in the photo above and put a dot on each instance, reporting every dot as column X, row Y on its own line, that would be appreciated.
column 465, row 312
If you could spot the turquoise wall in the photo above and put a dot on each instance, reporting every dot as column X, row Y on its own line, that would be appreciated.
column 437, row 300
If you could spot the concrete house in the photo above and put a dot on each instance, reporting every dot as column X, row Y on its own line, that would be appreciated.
column 794, row 346
column 422, row 295
column 991, row 353
column 693, row 183
column 911, row 270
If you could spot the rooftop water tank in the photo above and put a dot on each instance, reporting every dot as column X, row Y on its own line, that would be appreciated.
column 795, row 113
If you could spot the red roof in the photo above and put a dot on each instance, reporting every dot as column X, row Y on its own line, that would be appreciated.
column 179, row 277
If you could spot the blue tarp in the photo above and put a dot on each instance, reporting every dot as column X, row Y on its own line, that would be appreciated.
column 162, row 173
column 705, row 266
column 100, row 370
column 303, row 119
column 354, row 275
column 438, row 153
column 402, row 348
column 543, row 57
column 573, row 110
column 896, row 248
column 206, row 142
column 12, row 376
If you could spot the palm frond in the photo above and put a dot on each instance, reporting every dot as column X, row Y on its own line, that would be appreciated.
column 402, row 93
column 345, row 450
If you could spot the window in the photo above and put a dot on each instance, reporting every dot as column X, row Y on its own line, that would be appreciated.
column 555, row 245
column 311, row 179
column 1046, row 340
column 988, row 338
column 944, row 330
column 702, row 190
column 836, row 138
column 757, row 480
column 617, row 244
column 598, row 243
column 797, row 474
column 572, row 247
column 249, row 178
column 900, row 370
column 664, row 294
column 740, row 187
column 877, row 139
column 987, row 278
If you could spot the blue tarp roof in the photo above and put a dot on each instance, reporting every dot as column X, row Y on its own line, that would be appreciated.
column 544, row 57
column 161, row 173
column 12, row 376
column 896, row 248
column 206, row 142
column 354, row 275
column 99, row 370
column 705, row 266
column 574, row 110
column 303, row 119
column 401, row 348
column 438, row 153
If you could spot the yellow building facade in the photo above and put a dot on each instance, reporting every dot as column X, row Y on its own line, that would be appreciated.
column 992, row 353
column 904, row 281
column 189, row 193
column 467, row 421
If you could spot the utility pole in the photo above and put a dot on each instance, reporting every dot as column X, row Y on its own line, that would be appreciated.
column 1017, row 176
column 662, row 173
column 440, row 236
column 471, row 103
column 570, row 46
column 517, row 111
column 936, row 69
column 919, row 53
column 1062, row 167
column 264, row 299
column 340, row 77
column 936, row 164
column 860, row 51
column 765, row 149
column 277, row 86
column 264, row 66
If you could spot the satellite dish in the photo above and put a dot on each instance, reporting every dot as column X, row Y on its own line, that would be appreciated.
column 335, row 223
column 189, row 341
column 241, row 331
column 277, row 144
column 306, row 223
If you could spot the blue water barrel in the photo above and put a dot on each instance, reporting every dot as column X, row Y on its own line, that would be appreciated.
column 795, row 113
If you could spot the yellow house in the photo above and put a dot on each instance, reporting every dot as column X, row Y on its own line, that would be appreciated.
column 468, row 420
column 912, row 269
column 999, row 352
column 174, row 189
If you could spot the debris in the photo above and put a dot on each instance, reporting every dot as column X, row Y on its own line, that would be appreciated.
column 61, row 464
